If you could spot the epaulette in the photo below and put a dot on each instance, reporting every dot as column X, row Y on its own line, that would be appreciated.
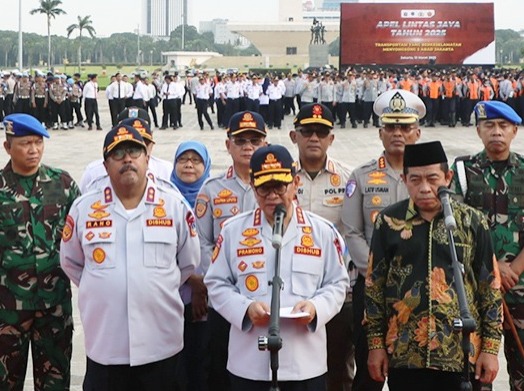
column 369, row 166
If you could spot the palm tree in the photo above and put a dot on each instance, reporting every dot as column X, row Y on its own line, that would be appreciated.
column 51, row 10
column 84, row 23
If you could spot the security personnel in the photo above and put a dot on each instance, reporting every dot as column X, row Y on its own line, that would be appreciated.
column 321, row 190
column 371, row 188
column 311, row 268
column 493, row 182
column 36, row 294
column 39, row 98
column 202, row 93
column 22, row 95
column 221, row 198
column 95, row 172
column 129, row 247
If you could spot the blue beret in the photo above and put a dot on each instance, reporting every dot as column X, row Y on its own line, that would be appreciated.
column 493, row 109
column 20, row 124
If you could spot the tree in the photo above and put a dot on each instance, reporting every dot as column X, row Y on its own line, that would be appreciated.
column 84, row 23
column 51, row 10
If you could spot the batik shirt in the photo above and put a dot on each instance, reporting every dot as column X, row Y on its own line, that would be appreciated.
column 411, row 299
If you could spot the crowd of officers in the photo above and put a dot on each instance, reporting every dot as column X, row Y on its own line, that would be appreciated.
column 449, row 94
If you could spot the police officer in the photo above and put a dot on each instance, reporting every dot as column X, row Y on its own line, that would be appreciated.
column 36, row 294
column 312, row 270
column 22, row 95
column 40, row 98
column 492, row 181
column 221, row 198
column 95, row 172
column 129, row 246
column 321, row 190
column 372, row 187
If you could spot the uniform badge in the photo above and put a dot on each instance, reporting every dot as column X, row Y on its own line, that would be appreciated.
column 382, row 162
column 251, row 283
column 397, row 104
column 235, row 210
column 69, row 226
column 351, row 186
column 242, row 266
column 481, row 111
column 216, row 250
column 307, row 230
column 224, row 193
column 190, row 220
column 250, row 242
column 376, row 178
column 225, row 196
column 306, row 241
column 333, row 201
column 217, row 212
column 257, row 220
column 300, row 216
column 258, row 264
column 99, row 212
column 89, row 236
column 376, row 200
column 200, row 208
column 99, row 255
column 250, row 232
column 338, row 246
column 159, row 210
column 335, row 180
column 104, row 235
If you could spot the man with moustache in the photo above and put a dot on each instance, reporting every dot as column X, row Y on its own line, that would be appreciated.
column 129, row 246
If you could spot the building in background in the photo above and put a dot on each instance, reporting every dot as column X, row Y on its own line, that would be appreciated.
column 222, row 34
column 161, row 17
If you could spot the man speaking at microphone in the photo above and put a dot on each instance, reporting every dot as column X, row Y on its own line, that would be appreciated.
column 312, row 270
column 411, row 296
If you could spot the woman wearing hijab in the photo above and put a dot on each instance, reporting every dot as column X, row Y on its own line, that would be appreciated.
column 191, row 168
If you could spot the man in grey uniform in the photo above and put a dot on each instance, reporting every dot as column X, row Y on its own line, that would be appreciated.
column 321, row 191
column 371, row 188
column 220, row 198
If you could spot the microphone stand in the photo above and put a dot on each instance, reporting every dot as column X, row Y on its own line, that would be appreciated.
column 465, row 324
column 273, row 341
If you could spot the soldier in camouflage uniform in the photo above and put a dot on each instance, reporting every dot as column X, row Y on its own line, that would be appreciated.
column 493, row 182
column 35, row 294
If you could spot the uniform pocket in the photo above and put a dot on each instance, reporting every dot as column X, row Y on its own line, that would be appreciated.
column 159, row 247
column 307, row 273
column 253, row 283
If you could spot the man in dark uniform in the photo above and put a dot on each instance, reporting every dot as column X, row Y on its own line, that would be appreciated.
column 493, row 182
column 35, row 293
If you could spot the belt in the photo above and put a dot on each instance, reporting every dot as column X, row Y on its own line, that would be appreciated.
column 23, row 97
column 39, row 96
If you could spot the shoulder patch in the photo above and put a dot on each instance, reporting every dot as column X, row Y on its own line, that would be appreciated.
column 351, row 186
column 67, row 232
column 200, row 207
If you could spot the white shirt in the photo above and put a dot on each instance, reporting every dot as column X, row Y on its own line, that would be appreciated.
column 90, row 90
column 140, row 91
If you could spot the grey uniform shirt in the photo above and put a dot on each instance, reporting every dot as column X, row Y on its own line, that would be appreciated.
column 219, row 199
column 371, row 187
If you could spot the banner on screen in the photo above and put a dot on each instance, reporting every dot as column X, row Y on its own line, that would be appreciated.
column 417, row 33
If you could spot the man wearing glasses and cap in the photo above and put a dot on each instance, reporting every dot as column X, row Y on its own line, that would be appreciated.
column 371, row 188
column 221, row 198
column 129, row 246
column 312, row 270
column 321, row 190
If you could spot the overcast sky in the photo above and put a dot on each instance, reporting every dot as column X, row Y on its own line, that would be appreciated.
column 111, row 16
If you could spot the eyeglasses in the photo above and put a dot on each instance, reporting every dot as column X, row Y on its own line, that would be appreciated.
column 404, row 128
column 133, row 152
column 308, row 132
column 255, row 141
column 279, row 188
column 193, row 160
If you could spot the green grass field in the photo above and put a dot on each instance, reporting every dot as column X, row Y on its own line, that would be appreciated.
column 104, row 75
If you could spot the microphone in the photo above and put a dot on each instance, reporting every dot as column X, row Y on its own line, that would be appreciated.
column 278, row 225
column 449, row 221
